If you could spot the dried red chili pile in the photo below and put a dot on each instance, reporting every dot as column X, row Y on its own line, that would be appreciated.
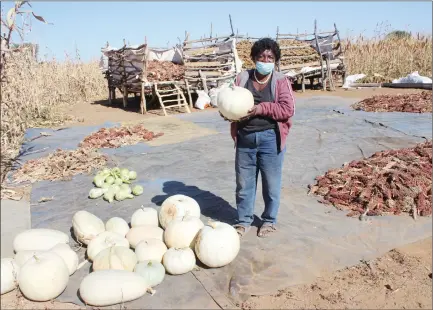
column 164, row 71
column 389, row 182
column 118, row 136
column 412, row 103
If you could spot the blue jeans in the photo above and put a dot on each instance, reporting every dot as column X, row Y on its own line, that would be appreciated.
column 257, row 151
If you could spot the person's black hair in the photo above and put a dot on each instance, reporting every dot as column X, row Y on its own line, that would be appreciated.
column 265, row 44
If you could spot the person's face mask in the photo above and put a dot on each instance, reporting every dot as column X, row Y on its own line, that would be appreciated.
column 264, row 68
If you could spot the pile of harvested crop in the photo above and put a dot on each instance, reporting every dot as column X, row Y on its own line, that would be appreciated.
column 127, row 260
column 375, row 78
column 118, row 136
column 164, row 71
column 244, row 50
column 309, row 53
column 203, row 51
column 389, row 182
column 114, row 184
column 412, row 103
column 60, row 165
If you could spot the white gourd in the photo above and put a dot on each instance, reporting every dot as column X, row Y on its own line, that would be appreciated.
column 23, row 256
column 43, row 277
column 68, row 255
column 152, row 271
column 117, row 225
column 38, row 239
column 144, row 217
column 182, row 233
column 110, row 287
column 178, row 206
column 217, row 244
column 9, row 275
column 117, row 258
column 139, row 233
column 179, row 261
column 103, row 241
column 86, row 226
column 150, row 249
column 234, row 103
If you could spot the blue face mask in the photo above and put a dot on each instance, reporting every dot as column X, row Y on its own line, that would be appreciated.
column 264, row 68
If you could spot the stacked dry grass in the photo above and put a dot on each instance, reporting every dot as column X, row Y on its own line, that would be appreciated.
column 33, row 94
column 391, row 58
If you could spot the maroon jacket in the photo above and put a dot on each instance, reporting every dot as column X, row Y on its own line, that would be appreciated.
column 281, row 109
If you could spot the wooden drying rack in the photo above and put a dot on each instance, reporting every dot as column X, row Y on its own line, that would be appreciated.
column 210, row 63
column 318, row 42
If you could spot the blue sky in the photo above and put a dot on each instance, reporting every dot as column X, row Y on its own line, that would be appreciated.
column 88, row 25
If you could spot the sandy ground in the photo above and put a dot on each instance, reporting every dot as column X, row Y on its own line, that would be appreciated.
column 401, row 279
column 86, row 114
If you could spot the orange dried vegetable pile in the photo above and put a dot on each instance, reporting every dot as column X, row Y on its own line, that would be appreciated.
column 118, row 136
column 389, row 182
column 158, row 71
column 413, row 103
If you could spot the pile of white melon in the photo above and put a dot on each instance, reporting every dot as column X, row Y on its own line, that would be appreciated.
column 126, row 261
column 41, row 266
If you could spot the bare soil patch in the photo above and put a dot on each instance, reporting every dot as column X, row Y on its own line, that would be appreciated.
column 85, row 114
column 400, row 279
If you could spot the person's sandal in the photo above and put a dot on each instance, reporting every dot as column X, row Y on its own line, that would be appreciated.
column 241, row 230
column 265, row 230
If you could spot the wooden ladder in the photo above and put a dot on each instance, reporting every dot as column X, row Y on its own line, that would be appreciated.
column 171, row 90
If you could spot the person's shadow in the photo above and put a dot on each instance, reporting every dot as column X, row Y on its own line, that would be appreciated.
column 211, row 206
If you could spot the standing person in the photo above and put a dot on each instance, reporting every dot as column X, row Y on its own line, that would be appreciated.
column 260, row 137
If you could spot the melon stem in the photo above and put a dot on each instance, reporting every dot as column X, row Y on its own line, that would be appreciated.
column 212, row 224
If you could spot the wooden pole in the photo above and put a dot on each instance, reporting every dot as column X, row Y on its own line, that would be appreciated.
column 320, row 54
column 189, row 92
column 185, row 43
column 143, row 108
column 231, row 25
column 276, row 39
column 341, row 52
column 203, row 81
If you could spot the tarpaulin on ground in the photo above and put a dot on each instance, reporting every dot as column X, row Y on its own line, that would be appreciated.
column 312, row 238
